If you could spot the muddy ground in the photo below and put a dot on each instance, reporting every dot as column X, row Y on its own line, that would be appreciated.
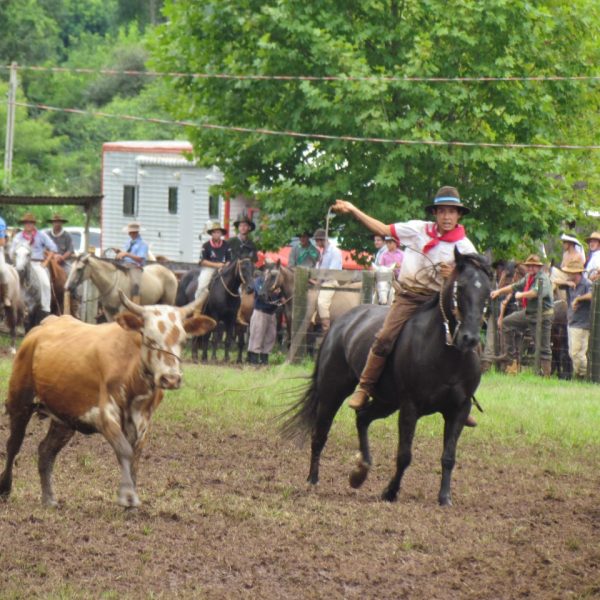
column 227, row 514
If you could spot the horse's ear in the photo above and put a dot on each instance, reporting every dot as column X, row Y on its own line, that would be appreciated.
column 458, row 258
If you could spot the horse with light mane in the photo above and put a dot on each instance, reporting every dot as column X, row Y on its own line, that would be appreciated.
column 158, row 284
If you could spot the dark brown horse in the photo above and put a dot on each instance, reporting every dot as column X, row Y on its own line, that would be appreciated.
column 434, row 367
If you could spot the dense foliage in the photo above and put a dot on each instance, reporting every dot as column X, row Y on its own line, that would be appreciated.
column 518, row 196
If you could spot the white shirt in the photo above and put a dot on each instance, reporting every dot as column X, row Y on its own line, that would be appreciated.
column 593, row 265
column 418, row 268
column 331, row 258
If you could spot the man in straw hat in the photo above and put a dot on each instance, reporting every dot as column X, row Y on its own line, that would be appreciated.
column 215, row 254
column 62, row 239
column 134, row 256
column 526, row 290
column 572, row 249
column 39, row 243
column 242, row 245
column 428, row 260
column 592, row 266
column 579, row 296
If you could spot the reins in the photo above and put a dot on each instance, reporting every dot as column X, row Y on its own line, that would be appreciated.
column 238, row 272
column 450, row 337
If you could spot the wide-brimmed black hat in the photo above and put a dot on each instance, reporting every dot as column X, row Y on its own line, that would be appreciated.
column 57, row 217
column 447, row 196
column 245, row 219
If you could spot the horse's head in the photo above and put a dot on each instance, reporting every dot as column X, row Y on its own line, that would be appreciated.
column 246, row 272
column 271, row 280
column 465, row 296
column 22, row 256
column 77, row 273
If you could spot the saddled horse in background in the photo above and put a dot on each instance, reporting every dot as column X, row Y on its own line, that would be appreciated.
column 434, row 367
column 223, row 301
column 13, row 315
column 158, row 284
column 279, row 276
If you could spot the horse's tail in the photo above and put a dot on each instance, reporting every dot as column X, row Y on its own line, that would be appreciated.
column 301, row 417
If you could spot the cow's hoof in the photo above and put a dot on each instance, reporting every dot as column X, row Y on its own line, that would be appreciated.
column 389, row 496
column 129, row 499
column 359, row 474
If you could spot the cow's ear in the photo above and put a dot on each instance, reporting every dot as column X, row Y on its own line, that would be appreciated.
column 127, row 320
column 199, row 324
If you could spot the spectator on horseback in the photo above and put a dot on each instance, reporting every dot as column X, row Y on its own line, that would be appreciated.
column 134, row 257
column 242, row 245
column 330, row 258
column 4, row 294
column 40, row 243
column 579, row 296
column 215, row 254
column 393, row 256
column 62, row 239
column 428, row 260
column 263, row 322
column 592, row 266
column 527, row 292
column 304, row 253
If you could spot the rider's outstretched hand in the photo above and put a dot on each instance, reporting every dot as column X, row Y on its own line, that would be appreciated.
column 342, row 206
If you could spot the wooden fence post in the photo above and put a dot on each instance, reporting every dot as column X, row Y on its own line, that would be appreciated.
column 368, row 283
column 593, row 354
column 299, row 315
column 537, row 361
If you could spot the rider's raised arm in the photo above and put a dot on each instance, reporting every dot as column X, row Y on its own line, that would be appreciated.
column 372, row 224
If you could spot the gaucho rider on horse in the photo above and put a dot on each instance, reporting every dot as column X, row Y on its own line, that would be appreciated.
column 39, row 242
column 429, row 260
column 215, row 254
column 134, row 257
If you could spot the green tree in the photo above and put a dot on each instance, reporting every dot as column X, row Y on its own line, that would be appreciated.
column 515, row 202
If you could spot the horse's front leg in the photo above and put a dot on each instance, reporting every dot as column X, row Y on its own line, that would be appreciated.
column 228, row 337
column 407, row 422
column 374, row 410
column 453, row 425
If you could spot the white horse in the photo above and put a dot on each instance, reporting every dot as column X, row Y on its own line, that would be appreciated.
column 30, row 276
column 158, row 284
column 13, row 314
column 384, row 290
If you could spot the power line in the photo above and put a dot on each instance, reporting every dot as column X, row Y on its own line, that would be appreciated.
column 325, row 78
column 317, row 136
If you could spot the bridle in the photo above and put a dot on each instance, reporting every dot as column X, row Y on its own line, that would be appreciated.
column 451, row 337
column 278, row 283
column 78, row 280
column 238, row 272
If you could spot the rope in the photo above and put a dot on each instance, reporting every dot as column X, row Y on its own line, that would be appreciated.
column 317, row 136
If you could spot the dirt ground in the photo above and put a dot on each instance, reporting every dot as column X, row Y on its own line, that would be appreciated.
column 227, row 514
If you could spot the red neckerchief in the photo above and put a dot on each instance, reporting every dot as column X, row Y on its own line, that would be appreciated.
column 457, row 234
column 528, row 284
column 30, row 237
column 216, row 245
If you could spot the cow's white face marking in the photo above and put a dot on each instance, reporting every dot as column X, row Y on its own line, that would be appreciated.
column 163, row 336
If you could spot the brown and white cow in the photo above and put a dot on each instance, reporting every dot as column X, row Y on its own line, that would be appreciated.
column 104, row 379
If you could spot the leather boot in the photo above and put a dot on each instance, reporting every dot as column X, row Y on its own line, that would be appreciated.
column 546, row 367
column 252, row 358
column 4, row 294
column 368, row 380
column 470, row 422
column 264, row 359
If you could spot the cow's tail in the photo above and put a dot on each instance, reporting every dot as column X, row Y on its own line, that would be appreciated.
column 301, row 418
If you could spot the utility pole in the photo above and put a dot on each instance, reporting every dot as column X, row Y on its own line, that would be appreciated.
column 10, row 125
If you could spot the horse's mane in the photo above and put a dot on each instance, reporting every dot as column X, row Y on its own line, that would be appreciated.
column 478, row 261
column 117, row 264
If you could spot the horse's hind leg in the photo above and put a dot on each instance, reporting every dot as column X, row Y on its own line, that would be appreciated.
column 19, row 410
column 407, row 422
column 364, row 418
column 56, row 439
column 325, row 415
column 453, row 425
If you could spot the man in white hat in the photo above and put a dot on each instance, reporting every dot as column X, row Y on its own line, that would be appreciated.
column 215, row 254
column 572, row 249
column 579, row 296
column 592, row 266
column 134, row 256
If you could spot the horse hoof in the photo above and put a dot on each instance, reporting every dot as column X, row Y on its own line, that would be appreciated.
column 49, row 502
column 389, row 496
column 129, row 500
column 446, row 501
column 358, row 475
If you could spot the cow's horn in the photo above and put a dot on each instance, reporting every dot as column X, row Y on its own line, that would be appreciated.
column 197, row 304
column 132, row 306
